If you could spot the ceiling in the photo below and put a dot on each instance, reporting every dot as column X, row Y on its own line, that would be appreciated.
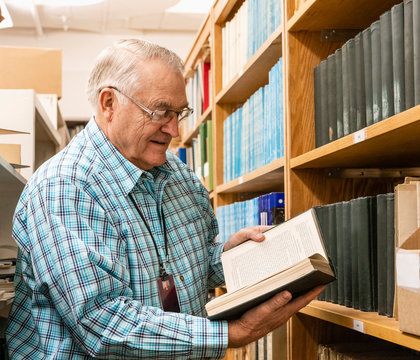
column 107, row 16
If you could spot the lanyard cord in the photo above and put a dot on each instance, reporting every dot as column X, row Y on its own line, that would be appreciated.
column 162, row 271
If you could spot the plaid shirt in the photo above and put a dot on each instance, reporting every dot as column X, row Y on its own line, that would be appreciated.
column 87, row 267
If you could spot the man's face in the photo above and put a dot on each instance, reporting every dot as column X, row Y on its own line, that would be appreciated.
column 131, row 129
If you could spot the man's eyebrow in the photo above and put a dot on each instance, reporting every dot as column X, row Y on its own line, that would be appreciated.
column 166, row 105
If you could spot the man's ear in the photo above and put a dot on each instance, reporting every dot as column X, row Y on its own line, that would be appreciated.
column 107, row 103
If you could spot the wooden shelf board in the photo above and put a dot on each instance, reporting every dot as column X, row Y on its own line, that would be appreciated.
column 371, row 323
column 199, row 42
column 265, row 178
column 316, row 15
column 393, row 142
column 193, row 133
column 222, row 10
column 255, row 72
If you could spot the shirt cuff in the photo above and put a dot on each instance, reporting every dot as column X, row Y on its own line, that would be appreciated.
column 209, row 338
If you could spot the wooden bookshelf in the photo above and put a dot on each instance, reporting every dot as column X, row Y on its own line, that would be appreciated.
column 186, row 140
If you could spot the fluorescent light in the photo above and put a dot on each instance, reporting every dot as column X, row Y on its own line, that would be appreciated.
column 59, row 3
column 192, row 7
column 5, row 19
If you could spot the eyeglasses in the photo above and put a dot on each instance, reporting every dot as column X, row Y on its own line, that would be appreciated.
column 159, row 116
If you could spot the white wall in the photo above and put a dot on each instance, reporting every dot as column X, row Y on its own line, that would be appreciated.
column 79, row 51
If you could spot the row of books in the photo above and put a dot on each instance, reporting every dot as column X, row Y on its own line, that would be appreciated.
column 359, row 237
column 373, row 76
column 246, row 32
column 254, row 133
column 372, row 350
column 199, row 157
column 266, row 209
column 198, row 93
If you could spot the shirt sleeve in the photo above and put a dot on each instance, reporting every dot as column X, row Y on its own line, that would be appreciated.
column 76, row 255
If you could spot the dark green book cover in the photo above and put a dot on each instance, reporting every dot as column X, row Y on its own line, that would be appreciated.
column 317, row 105
column 367, row 68
column 397, row 22
column 332, row 102
column 332, row 250
column 324, row 103
column 339, row 264
column 360, row 83
column 346, row 92
column 386, row 65
column 381, row 233
column 339, row 91
column 210, row 152
column 375, row 30
column 416, row 51
column 373, row 253
column 203, row 147
column 408, row 54
column 351, row 69
column 347, row 250
column 390, row 230
column 355, row 215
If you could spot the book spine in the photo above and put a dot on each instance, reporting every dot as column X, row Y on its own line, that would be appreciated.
column 317, row 105
column 360, row 82
column 386, row 65
column 397, row 26
column 375, row 29
column 390, row 230
column 339, row 264
column 367, row 67
column 346, row 92
column 408, row 54
column 347, row 241
column 416, row 51
column 381, row 243
column 339, row 91
column 324, row 103
column 332, row 102
column 351, row 68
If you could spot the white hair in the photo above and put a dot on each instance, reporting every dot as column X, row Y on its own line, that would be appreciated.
column 118, row 66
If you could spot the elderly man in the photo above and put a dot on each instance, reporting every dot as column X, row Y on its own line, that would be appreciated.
column 116, row 235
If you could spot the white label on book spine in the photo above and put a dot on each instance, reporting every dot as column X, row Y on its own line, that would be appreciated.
column 359, row 326
column 241, row 180
column 359, row 136
column 206, row 169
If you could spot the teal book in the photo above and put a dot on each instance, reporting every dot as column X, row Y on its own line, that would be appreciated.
column 397, row 25
column 375, row 30
column 386, row 65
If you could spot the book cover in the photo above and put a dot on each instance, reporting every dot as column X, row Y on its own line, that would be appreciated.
column 375, row 29
column 386, row 65
column 254, row 272
column 397, row 25
column 339, row 91
column 367, row 67
column 408, row 54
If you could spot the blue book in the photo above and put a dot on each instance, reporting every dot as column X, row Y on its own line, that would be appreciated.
column 275, row 208
column 182, row 154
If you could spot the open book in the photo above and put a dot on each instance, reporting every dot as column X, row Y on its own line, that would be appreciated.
column 292, row 257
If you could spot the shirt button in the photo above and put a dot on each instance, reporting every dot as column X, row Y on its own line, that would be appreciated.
column 193, row 313
column 182, row 278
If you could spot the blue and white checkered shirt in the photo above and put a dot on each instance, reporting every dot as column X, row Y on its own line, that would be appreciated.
column 87, row 267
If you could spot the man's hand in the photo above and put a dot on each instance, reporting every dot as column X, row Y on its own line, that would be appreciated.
column 250, row 233
column 267, row 317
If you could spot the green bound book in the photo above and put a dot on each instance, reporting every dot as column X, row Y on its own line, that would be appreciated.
column 346, row 92
column 332, row 249
column 339, row 263
column 324, row 103
column 347, row 250
column 323, row 218
column 390, row 231
column 332, row 102
column 355, row 215
column 375, row 30
column 210, row 152
column 317, row 105
column 351, row 69
column 203, row 148
column 408, row 54
column 373, row 254
column 339, row 91
column 386, row 65
column 367, row 68
column 381, row 243
column 360, row 82
column 397, row 24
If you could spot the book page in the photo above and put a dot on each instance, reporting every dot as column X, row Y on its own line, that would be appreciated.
column 285, row 245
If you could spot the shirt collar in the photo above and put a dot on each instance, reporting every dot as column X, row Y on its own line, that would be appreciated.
column 124, row 172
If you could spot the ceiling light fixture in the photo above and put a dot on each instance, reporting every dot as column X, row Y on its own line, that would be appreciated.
column 64, row 3
column 5, row 19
